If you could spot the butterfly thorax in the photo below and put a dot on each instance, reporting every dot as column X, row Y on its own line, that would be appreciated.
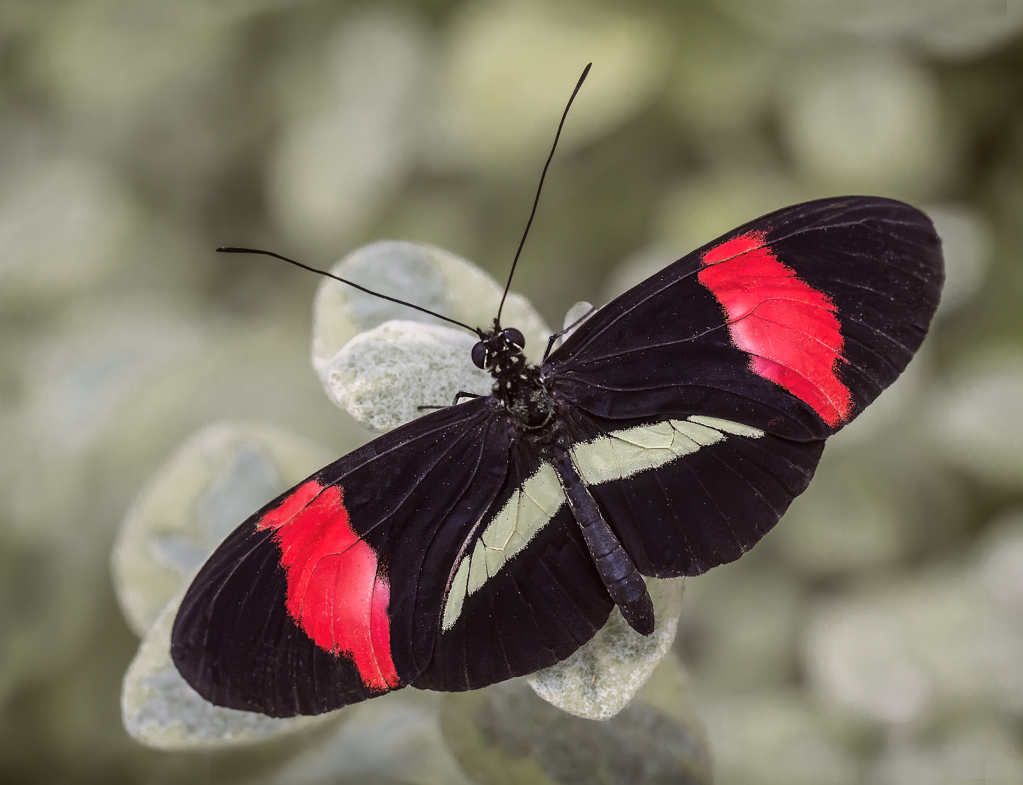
column 517, row 384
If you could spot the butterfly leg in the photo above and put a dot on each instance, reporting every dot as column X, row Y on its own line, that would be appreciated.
column 617, row 571
column 463, row 394
column 572, row 326
column 550, row 345
column 458, row 396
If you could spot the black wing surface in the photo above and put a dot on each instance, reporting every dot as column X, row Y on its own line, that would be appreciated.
column 700, row 399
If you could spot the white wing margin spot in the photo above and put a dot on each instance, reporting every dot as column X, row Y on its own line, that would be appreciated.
column 614, row 456
column 727, row 426
column 456, row 595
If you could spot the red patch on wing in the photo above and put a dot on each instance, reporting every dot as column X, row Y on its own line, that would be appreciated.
column 334, row 592
column 788, row 328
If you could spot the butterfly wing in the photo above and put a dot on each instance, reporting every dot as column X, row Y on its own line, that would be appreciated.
column 792, row 323
column 323, row 598
column 699, row 400
column 340, row 589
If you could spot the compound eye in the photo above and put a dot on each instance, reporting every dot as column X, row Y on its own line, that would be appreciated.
column 479, row 355
column 514, row 337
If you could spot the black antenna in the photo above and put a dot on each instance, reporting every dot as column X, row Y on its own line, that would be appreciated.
column 354, row 285
column 536, row 201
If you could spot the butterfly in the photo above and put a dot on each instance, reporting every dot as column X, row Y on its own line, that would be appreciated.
column 492, row 538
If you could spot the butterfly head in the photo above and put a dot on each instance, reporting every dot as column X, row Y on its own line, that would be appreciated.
column 496, row 345
column 517, row 383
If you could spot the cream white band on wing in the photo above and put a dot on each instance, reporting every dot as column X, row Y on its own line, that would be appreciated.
column 614, row 456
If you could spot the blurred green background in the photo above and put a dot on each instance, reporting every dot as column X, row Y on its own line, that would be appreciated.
column 876, row 636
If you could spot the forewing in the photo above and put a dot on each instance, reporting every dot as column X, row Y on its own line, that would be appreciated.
column 331, row 593
column 792, row 323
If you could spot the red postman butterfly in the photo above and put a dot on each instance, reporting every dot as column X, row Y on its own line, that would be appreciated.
column 492, row 538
